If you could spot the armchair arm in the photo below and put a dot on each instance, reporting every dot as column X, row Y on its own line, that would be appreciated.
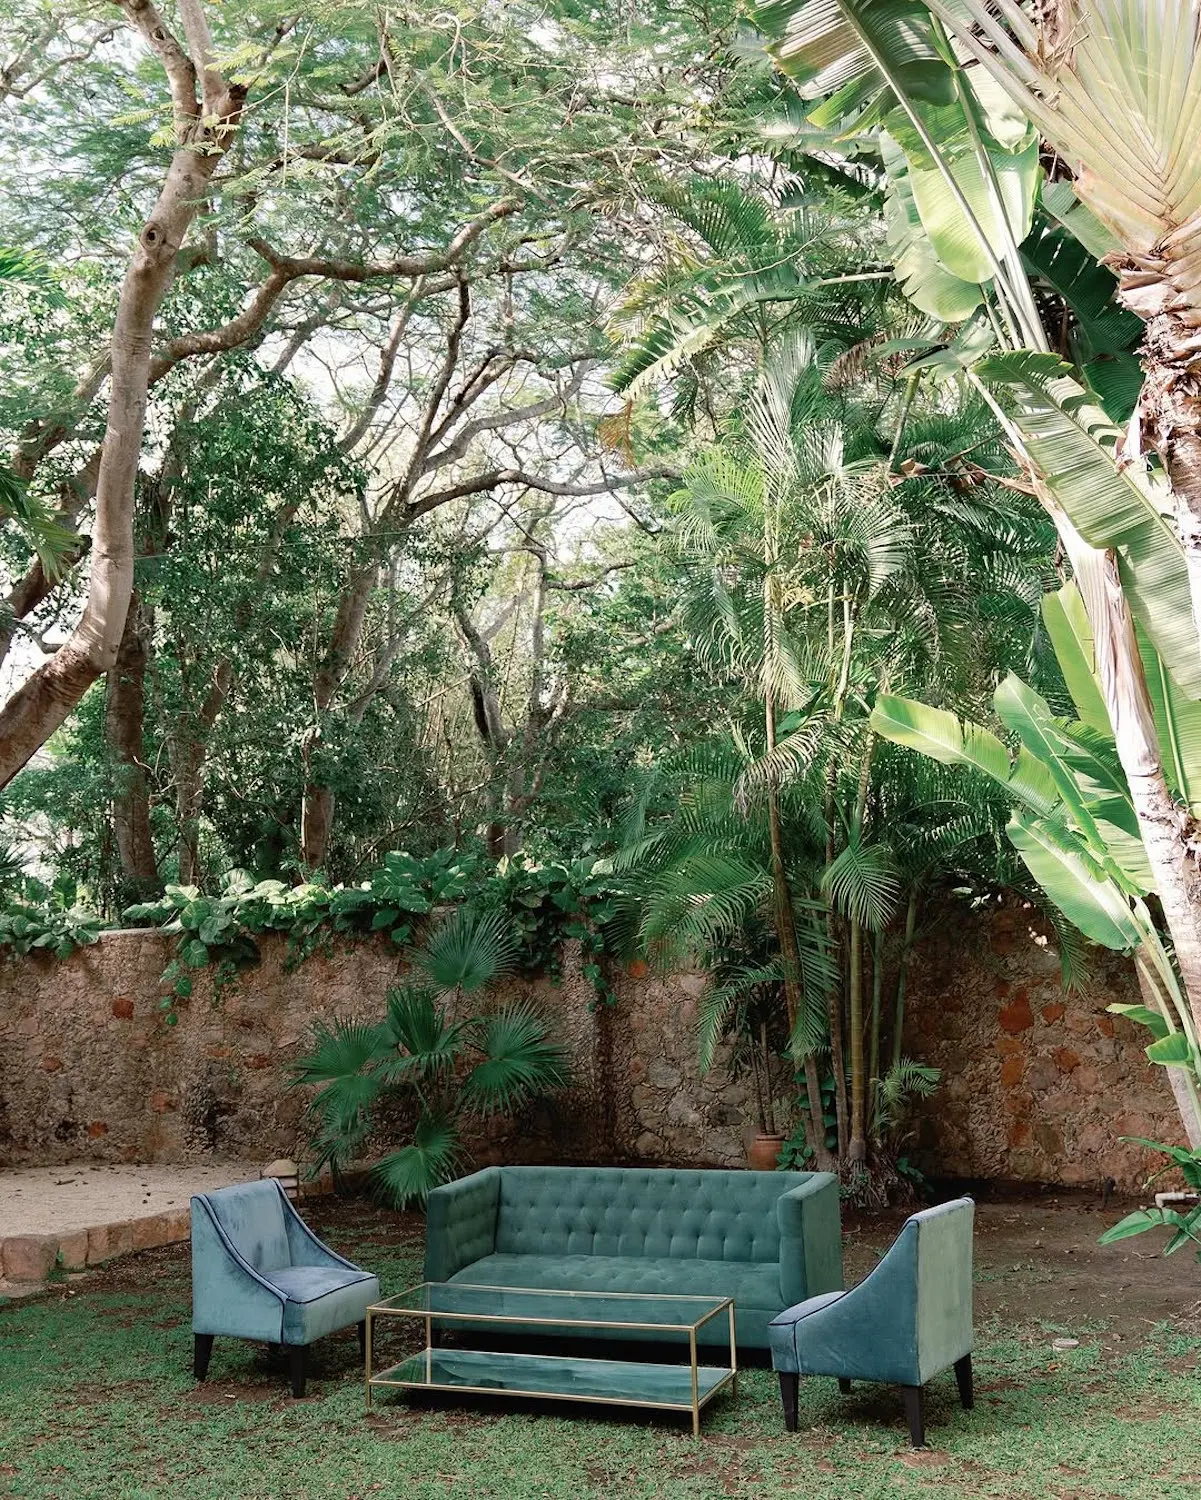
column 460, row 1223
column 303, row 1245
column 228, row 1294
column 810, row 1238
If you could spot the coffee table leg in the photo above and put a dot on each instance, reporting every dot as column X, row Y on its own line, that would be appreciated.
column 733, row 1351
column 696, row 1407
column 367, row 1359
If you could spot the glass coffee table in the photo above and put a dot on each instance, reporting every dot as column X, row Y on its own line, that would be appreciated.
column 445, row 1306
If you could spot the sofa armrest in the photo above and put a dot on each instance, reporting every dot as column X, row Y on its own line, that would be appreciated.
column 460, row 1223
column 810, row 1238
column 228, row 1294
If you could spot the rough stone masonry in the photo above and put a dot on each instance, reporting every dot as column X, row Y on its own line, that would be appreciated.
column 1037, row 1085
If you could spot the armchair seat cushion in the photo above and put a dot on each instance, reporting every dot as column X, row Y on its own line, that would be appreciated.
column 322, row 1299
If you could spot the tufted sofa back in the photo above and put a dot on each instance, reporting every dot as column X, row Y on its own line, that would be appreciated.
column 641, row 1211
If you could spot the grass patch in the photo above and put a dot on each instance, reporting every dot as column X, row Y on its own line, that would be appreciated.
column 97, row 1403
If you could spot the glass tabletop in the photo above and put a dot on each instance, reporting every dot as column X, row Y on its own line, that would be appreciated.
column 567, row 1378
column 455, row 1301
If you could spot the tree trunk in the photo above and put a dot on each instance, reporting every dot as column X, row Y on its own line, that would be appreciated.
column 36, row 585
column 857, row 1146
column 1184, row 1094
column 857, row 1149
column 317, row 810
column 898, row 1023
column 191, row 751
column 837, row 1052
column 45, row 700
column 873, row 1057
column 1169, row 403
column 1169, row 833
column 123, row 722
column 790, row 953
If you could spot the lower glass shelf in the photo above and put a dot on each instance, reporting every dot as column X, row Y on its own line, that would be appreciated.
column 621, row 1382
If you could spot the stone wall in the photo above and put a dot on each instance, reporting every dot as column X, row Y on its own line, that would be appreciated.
column 1037, row 1086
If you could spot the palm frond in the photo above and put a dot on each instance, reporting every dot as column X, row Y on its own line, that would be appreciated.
column 432, row 1157
column 862, row 882
column 719, row 1004
column 340, row 1049
column 422, row 1040
column 468, row 951
column 520, row 1061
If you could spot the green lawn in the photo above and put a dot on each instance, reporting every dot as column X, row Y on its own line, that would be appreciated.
column 97, row 1400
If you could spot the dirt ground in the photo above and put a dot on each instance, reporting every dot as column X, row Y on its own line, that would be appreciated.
column 58, row 1200
column 1039, row 1258
column 1035, row 1259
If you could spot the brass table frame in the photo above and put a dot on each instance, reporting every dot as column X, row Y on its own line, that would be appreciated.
column 389, row 1309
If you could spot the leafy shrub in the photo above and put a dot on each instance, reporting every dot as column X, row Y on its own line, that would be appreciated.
column 542, row 906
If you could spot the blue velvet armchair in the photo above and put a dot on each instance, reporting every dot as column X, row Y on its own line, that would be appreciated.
column 259, row 1272
column 907, row 1321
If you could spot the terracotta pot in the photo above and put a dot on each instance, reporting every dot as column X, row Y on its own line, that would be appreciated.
column 761, row 1154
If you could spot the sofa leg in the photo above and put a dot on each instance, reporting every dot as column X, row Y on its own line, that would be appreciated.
column 202, row 1352
column 296, row 1362
column 915, row 1414
column 789, row 1389
column 963, row 1376
column 363, row 1339
column 844, row 1386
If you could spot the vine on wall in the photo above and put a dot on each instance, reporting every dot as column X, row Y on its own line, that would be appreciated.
column 544, row 904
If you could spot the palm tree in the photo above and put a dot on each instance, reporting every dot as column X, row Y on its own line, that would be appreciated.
column 814, row 570
column 744, row 262
column 426, row 1060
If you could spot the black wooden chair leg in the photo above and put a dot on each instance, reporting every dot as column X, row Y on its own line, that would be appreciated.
column 915, row 1414
column 202, row 1351
column 296, row 1360
column 963, row 1376
column 363, row 1339
column 844, row 1386
column 790, row 1384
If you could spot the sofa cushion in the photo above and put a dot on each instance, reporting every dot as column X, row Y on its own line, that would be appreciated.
column 322, row 1299
column 658, row 1276
column 634, row 1212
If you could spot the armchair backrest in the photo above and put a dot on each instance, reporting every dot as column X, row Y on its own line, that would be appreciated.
column 941, row 1241
column 253, row 1217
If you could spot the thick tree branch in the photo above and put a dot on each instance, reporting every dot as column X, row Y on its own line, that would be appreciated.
column 422, row 264
column 495, row 478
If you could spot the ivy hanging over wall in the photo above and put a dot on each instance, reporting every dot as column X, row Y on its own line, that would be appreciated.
column 543, row 905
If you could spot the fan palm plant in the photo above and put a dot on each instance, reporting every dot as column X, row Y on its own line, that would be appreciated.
column 428, row 1064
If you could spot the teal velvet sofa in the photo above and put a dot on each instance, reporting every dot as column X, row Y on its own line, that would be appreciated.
column 764, row 1239
column 259, row 1272
column 906, row 1322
